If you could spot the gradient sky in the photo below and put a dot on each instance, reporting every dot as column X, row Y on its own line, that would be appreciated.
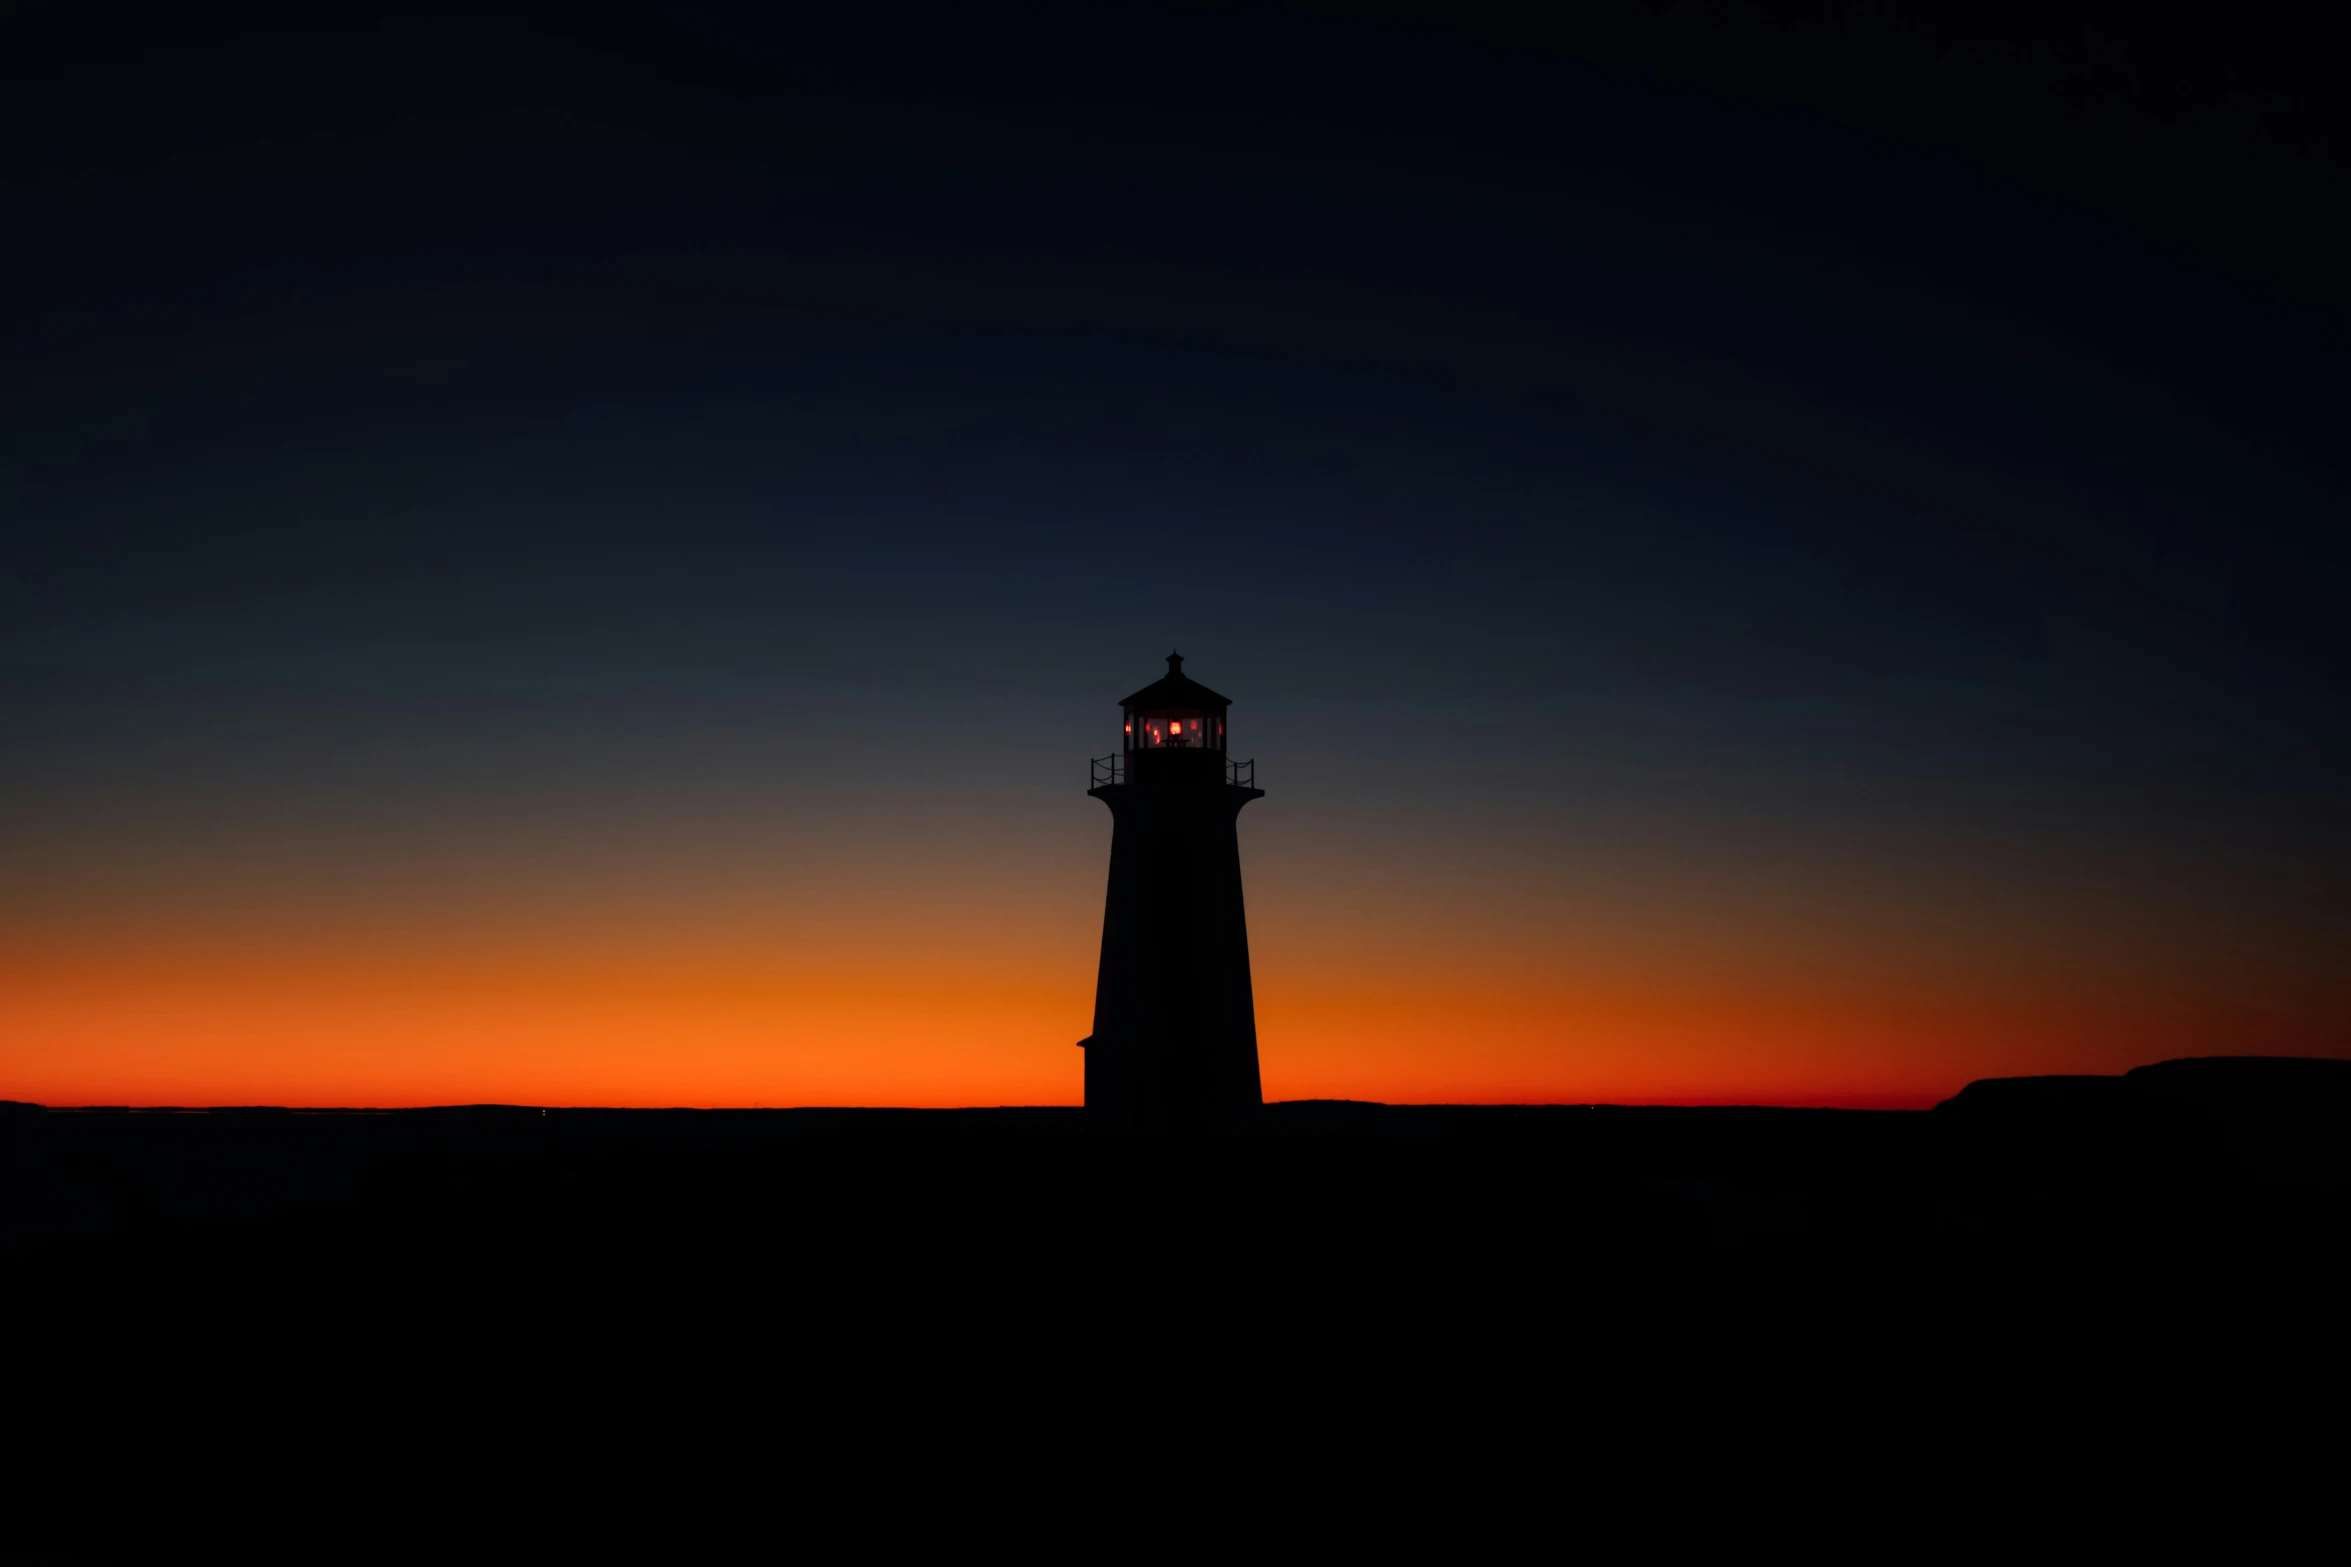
column 564, row 560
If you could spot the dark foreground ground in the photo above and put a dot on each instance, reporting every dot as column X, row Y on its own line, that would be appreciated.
column 384, row 1315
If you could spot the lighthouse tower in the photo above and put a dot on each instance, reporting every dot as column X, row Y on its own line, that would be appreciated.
column 1174, row 1047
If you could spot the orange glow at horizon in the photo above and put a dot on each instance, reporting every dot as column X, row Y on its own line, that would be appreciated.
column 323, row 1027
column 882, row 962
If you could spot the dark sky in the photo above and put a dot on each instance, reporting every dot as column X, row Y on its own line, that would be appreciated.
column 1891, row 448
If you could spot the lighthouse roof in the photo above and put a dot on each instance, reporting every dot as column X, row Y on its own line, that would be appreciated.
column 1176, row 690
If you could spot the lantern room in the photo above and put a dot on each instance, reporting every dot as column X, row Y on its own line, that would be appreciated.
column 1176, row 713
column 1188, row 729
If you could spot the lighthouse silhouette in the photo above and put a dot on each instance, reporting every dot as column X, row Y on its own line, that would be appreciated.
column 1174, row 1047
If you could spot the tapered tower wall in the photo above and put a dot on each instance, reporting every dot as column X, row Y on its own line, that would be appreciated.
column 1174, row 1047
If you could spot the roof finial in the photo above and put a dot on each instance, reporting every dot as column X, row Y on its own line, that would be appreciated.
column 1175, row 663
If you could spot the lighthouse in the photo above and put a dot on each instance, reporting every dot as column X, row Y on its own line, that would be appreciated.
column 1174, row 1047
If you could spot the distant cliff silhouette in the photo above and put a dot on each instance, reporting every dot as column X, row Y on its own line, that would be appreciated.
column 2278, row 1119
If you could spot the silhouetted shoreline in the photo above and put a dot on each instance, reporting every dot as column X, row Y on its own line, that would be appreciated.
column 2161, row 1146
column 206, row 1295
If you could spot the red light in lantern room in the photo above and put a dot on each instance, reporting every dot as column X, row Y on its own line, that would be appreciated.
column 1175, row 729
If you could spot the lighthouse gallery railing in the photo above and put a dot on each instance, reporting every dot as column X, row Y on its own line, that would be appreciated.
column 1112, row 769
